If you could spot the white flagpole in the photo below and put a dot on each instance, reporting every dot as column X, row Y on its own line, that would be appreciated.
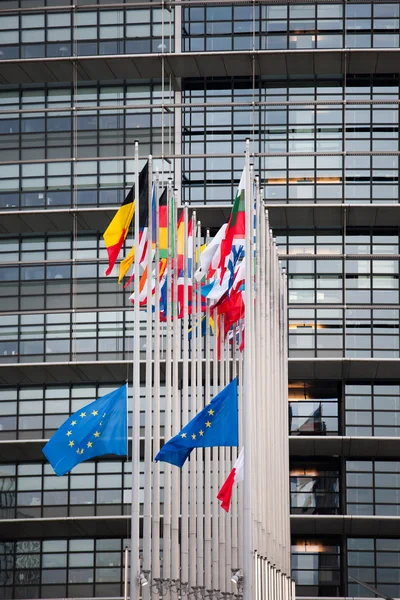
column 193, row 575
column 215, row 470
column 135, row 561
column 234, row 455
column 226, row 468
column 258, row 432
column 199, row 406
column 268, row 410
column 221, row 478
column 167, row 551
column 282, row 475
column 285, row 417
column 148, row 391
column 275, row 417
column 263, row 361
column 273, row 404
column 248, row 588
column 208, row 495
column 240, row 501
column 176, row 408
column 155, row 539
column 186, row 575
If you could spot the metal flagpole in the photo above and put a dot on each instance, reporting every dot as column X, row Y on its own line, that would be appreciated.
column 208, row 496
column 135, row 560
column 185, row 414
column 234, row 454
column 176, row 404
column 167, row 552
column 258, row 362
column 262, row 317
column 285, row 419
column 225, row 470
column 248, row 590
column 221, row 451
column 240, row 496
column 200, row 509
column 275, row 438
column 215, row 469
column 193, row 575
column 269, row 456
column 155, row 539
column 147, row 508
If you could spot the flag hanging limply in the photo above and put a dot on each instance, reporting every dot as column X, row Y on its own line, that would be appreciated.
column 237, row 474
column 181, row 234
column 125, row 264
column 99, row 428
column 115, row 234
column 203, row 328
column 215, row 425
column 236, row 228
column 209, row 252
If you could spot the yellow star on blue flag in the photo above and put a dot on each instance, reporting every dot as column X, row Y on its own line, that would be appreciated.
column 215, row 425
column 100, row 428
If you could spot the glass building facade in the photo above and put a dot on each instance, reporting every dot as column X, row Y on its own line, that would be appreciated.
column 315, row 86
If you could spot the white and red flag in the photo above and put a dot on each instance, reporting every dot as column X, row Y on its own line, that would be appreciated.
column 237, row 474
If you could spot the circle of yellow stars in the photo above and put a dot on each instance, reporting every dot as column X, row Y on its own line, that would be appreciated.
column 207, row 424
column 96, row 434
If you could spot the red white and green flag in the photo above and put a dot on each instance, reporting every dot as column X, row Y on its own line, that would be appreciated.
column 236, row 228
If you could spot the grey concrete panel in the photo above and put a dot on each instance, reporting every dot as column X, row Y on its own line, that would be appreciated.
column 363, row 61
column 347, row 446
column 308, row 216
column 343, row 368
column 331, row 64
column 272, row 64
column 344, row 525
column 91, row 219
column 97, row 69
column 16, row 529
column 67, row 372
column 31, row 450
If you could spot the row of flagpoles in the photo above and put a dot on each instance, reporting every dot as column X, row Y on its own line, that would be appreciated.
column 219, row 306
column 191, row 288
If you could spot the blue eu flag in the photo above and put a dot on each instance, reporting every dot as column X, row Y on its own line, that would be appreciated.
column 98, row 428
column 215, row 425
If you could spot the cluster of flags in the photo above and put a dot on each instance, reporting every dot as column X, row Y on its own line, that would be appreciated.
column 220, row 272
column 101, row 427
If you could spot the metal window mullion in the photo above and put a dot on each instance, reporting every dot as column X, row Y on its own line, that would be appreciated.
column 344, row 292
column 287, row 145
column 373, row 488
column 372, row 407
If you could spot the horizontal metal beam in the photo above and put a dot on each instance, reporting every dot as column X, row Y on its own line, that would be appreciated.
column 300, row 369
column 117, row 526
column 31, row 450
column 281, row 216
column 262, row 63
column 64, row 527
column 167, row 106
column 305, row 446
column 347, row 369
column 348, row 525
column 167, row 4
column 56, row 220
column 346, row 446
column 331, row 216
